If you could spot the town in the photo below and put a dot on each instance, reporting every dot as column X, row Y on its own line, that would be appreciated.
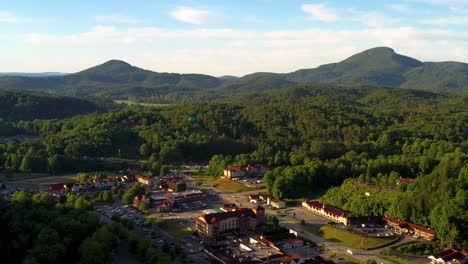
column 219, row 226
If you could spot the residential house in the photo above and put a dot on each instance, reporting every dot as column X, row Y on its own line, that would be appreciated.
column 294, row 259
column 276, row 203
column 327, row 211
column 233, row 172
column 293, row 243
column 144, row 179
column 241, row 220
column 448, row 255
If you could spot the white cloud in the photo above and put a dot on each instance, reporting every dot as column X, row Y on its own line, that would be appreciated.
column 320, row 12
column 39, row 39
column 444, row 21
column 191, row 15
column 443, row 2
column 116, row 19
column 8, row 17
column 402, row 8
column 241, row 51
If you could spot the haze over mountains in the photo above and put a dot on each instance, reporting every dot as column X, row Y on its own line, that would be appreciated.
column 374, row 67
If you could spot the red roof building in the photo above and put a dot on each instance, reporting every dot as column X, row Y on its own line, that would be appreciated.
column 448, row 255
column 327, row 211
column 404, row 227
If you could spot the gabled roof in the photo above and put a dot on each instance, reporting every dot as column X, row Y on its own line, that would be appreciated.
column 327, row 208
column 449, row 254
column 405, row 224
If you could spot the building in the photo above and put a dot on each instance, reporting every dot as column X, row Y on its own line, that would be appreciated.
column 449, row 255
column 228, row 207
column 257, row 170
column 404, row 180
column 241, row 220
column 294, row 259
column 172, row 199
column 144, row 180
column 403, row 227
column 276, row 203
column 58, row 186
column 327, row 211
column 233, row 172
column 293, row 243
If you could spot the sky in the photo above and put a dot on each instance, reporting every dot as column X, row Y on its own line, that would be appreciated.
column 217, row 37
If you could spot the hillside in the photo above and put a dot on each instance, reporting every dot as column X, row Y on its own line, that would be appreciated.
column 374, row 67
column 20, row 105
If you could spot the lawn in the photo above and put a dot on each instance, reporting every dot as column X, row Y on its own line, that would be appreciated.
column 173, row 229
column 347, row 258
column 395, row 259
column 226, row 185
column 177, row 230
column 22, row 176
column 352, row 240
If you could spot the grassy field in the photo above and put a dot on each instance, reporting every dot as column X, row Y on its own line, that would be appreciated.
column 177, row 230
column 22, row 176
column 142, row 104
column 395, row 259
column 226, row 185
column 352, row 240
column 347, row 258
column 173, row 229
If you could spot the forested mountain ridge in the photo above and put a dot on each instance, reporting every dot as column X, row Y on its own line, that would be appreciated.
column 23, row 105
column 374, row 67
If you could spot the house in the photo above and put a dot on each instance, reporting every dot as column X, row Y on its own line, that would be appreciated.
column 294, row 259
column 293, row 243
column 171, row 185
column 404, row 180
column 403, row 227
column 449, row 255
column 144, row 179
column 233, row 172
column 276, row 203
column 256, row 170
column 327, row 211
column 58, row 186
column 241, row 220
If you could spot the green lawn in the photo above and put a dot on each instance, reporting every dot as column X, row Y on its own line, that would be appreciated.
column 22, row 176
column 352, row 240
column 175, row 230
column 395, row 259
column 226, row 185
column 346, row 257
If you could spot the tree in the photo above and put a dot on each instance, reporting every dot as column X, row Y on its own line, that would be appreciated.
column 180, row 187
column 145, row 150
column 144, row 206
column 82, row 203
column 106, row 196
column 21, row 197
column 27, row 164
column 82, row 176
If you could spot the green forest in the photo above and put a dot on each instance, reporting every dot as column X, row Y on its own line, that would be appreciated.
column 351, row 140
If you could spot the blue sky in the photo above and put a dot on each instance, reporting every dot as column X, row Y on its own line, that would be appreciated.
column 224, row 37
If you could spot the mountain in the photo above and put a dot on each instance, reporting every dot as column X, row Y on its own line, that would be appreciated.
column 32, row 74
column 379, row 66
column 22, row 105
